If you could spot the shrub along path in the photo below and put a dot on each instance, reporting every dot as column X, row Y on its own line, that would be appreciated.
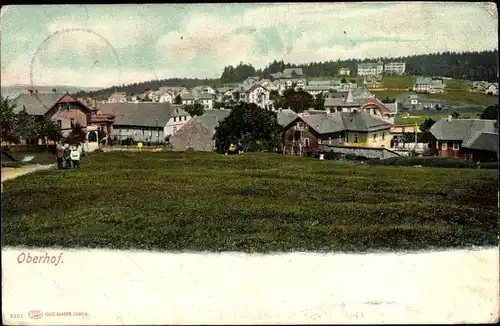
column 249, row 202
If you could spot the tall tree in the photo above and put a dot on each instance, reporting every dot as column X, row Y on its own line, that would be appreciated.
column 490, row 112
column 254, row 128
column 319, row 101
column 195, row 109
column 77, row 135
column 8, row 121
column 178, row 99
column 298, row 101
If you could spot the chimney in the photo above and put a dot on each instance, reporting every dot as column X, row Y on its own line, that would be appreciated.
column 449, row 118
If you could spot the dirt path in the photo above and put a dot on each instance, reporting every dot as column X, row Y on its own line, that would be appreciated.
column 11, row 173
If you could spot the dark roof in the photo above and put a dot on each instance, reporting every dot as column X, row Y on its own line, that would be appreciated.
column 286, row 116
column 486, row 141
column 344, row 121
column 211, row 119
column 144, row 114
column 37, row 104
column 461, row 129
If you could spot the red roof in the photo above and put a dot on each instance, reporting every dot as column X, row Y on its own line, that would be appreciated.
column 374, row 101
column 67, row 98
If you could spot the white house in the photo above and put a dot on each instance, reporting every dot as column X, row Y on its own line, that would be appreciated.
column 492, row 89
column 395, row 68
column 207, row 100
column 371, row 68
column 166, row 98
column 187, row 98
column 344, row 71
column 177, row 120
column 257, row 94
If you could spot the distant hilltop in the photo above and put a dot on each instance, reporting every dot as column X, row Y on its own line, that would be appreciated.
column 12, row 91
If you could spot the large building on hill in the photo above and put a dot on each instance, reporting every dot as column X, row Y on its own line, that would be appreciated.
column 395, row 68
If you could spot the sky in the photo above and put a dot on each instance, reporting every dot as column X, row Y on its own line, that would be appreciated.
column 105, row 45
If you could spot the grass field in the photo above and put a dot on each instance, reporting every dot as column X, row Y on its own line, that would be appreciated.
column 252, row 202
column 398, row 82
column 419, row 119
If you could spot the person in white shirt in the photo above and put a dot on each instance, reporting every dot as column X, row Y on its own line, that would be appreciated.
column 75, row 157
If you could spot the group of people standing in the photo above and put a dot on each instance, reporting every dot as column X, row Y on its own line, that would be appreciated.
column 68, row 157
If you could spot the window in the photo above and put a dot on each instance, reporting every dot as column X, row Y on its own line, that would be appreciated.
column 374, row 137
column 329, row 140
column 456, row 146
column 383, row 136
column 355, row 138
column 175, row 129
column 72, row 122
column 444, row 146
column 306, row 142
column 59, row 123
column 346, row 138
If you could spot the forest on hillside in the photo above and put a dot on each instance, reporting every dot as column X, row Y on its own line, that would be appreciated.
column 467, row 65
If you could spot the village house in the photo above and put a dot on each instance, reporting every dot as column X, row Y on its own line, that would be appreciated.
column 207, row 100
column 437, row 86
column 173, row 90
column 412, row 101
column 395, row 68
column 250, row 81
column 197, row 134
column 118, row 97
column 62, row 108
column 332, row 132
column 371, row 68
column 370, row 105
column 188, row 98
column 465, row 138
column 422, row 84
column 479, row 86
column 166, row 98
column 142, row 121
column 373, row 81
column 146, row 96
column 344, row 71
column 257, row 94
column 177, row 120
column 492, row 89
column 317, row 89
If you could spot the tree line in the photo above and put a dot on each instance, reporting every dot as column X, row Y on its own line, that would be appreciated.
column 458, row 65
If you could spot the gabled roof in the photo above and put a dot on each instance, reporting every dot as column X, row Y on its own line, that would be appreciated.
column 486, row 141
column 187, row 96
column 378, row 103
column 144, row 114
column 285, row 117
column 205, row 96
column 423, row 81
column 344, row 121
column 251, row 88
column 464, row 130
column 40, row 103
column 211, row 119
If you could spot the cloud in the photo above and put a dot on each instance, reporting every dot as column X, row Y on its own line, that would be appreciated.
column 16, row 72
column 319, row 32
